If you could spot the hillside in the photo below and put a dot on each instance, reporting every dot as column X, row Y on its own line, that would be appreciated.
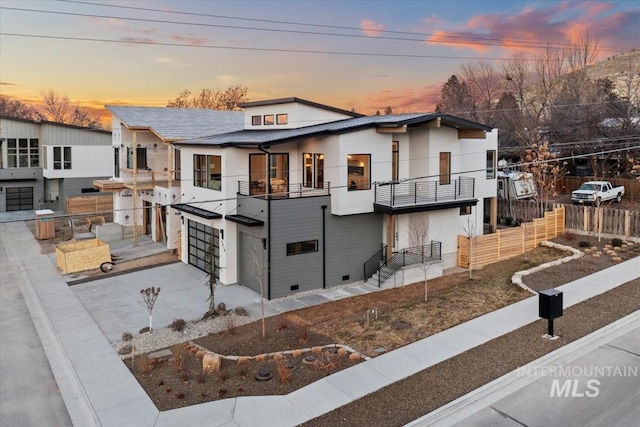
column 623, row 70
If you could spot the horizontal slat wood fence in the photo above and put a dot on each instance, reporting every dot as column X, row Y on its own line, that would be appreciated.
column 89, row 204
column 507, row 243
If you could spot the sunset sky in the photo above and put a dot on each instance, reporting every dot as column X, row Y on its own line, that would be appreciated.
column 349, row 54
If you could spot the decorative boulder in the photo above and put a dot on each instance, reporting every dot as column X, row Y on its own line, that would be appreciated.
column 211, row 363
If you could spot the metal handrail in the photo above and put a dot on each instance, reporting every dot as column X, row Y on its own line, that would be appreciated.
column 373, row 264
column 409, row 256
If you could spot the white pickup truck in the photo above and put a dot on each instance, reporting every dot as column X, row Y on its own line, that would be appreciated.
column 596, row 192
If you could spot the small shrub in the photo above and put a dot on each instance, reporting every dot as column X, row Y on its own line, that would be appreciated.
column 283, row 322
column 127, row 336
column 284, row 373
column 616, row 243
column 144, row 364
column 178, row 358
column 303, row 332
column 144, row 330
column 231, row 323
column 178, row 325
column 584, row 244
column 181, row 395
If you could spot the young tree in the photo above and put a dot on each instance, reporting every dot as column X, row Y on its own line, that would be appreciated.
column 546, row 171
column 258, row 272
column 150, row 295
column 418, row 234
column 212, row 274
column 470, row 231
column 388, row 110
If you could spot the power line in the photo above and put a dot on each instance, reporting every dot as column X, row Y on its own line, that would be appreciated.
column 465, row 39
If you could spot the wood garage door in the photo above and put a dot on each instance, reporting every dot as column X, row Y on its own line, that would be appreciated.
column 20, row 199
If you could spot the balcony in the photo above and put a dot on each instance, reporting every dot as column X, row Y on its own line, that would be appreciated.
column 423, row 195
column 280, row 190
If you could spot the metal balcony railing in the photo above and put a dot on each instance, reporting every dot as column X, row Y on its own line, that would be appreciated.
column 409, row 193
column 255, row 188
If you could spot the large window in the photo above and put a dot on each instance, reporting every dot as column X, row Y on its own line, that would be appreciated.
column 62, row 157
column 445, row 168
column 177, row 165
column 298, row 248
column 207, row 171
column 313, row 166
column 23, row 153
column 358, row 172
column 491, row 164
column 277, row 177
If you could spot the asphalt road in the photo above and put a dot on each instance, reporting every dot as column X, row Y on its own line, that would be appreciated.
column 29, row 394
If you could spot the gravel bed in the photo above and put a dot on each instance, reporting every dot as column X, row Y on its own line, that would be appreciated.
column 167, row 337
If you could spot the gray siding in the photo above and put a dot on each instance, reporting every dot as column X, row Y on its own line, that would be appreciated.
column 296, row 220
column 350, row 241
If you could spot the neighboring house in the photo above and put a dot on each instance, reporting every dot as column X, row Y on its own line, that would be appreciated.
column 305, row 194
column 43, row 163
column 146, row 177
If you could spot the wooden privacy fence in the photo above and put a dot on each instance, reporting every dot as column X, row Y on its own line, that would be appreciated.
column 90, row 204
column 570, row 183
column 504, row 244
column 619, row 222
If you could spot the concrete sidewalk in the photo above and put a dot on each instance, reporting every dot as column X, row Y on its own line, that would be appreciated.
column 99, row 390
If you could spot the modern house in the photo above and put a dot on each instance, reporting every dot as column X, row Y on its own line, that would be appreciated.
column 43, row 163
column 146, row 166
column 305, row 196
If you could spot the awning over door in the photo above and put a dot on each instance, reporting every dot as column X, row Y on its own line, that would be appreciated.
column 202, row 213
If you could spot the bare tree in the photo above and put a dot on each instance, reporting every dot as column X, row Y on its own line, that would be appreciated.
column 212, row 274
column 258, row 272
column 17, row 109
column 150, row 295
column 418, row 234
column 470, row 231
column 213, row 99
column 485, row 84
column 546, row 171
column 58, row 108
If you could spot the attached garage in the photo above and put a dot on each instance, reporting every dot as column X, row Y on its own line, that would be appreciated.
column 200, row 237
column 19, row 198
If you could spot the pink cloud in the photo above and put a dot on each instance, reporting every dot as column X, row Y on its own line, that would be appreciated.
column 190, row 40
column 137, row 40
column 406, row 100
column 535, row 27
column 370, row 28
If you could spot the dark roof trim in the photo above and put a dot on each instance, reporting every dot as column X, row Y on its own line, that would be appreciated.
column 299, row 101
column 244, row 220
column 202, row 213
column 423, row 208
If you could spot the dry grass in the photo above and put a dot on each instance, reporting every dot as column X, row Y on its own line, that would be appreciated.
column 404, row 317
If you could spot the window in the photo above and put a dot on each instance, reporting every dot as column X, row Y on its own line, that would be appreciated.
column 256, row 120
column 215, row 173
column 313, row 166
column 302, row 247
column 141, row 158
column 282, row 119
column 394, row 160
column 207, row 171
column 465, row 210
column 491, row 164
column 176, row 165
column 23, row 153
column 268, row 119
column 62, row 158
column 359, row 172
column 445, row 168
column 116, row 162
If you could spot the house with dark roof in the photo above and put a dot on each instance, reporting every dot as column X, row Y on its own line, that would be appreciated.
column 304, row 196
column 43, row 163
